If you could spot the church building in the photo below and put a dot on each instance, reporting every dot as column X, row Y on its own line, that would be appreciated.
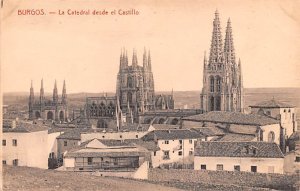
column 42, row 108
column 222, row 75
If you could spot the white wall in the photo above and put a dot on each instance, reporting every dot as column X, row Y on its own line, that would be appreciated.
column 32, row 148
column 262, row 164
column 173, row 148
column 268, row 128
column 113, row 135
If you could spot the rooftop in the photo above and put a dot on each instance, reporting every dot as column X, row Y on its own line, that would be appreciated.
column 232, row 118
column 26, row 127
column 171, row 134
column 236, row 137
column 238, row 149
column 271, row 104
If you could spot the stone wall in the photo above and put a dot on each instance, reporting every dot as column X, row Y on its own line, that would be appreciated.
column 273, row 181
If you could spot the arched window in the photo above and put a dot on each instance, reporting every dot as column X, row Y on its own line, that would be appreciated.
column 130, row 82
column 212, row 84
column 129, row 97
column 218, row 84
column 271, row 137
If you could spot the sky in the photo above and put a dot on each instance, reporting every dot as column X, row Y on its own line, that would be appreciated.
column 84, row 50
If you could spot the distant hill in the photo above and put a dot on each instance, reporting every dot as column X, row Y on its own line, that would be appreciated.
column 189, row 99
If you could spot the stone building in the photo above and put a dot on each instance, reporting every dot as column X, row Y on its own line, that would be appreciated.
column 135, row 86
column 222, row 75
column 42, row 108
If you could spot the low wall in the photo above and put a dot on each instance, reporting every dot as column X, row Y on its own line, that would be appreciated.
column 274, row 181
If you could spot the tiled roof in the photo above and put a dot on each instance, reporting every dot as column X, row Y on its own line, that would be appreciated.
column 104, row 154
column 209, row 131
column 236, row 137
column 72, row 134
column 171, row 134
column 272, row 104
column 165, row 126
column 232, row 118
column 26, row 127
column 149, row 145
column 238, row 149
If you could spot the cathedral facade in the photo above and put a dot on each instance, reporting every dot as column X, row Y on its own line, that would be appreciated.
column 135, row 86
column 222, row 75
column 55, row 109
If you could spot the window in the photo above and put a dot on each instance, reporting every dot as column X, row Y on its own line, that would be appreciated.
column 203, row 167
column 115, row 161
column 15, row 143
column 297, row 159
column 191, row 153
column 15, row 162
column 103, row 136
column 219, row 167
column 101, row 158
column 212, row 84
column 191, row 141
column 218, row 84
column 180, row 141
column 3, row 142
column 237, row 168
column 137, row 136
column 90, row 160
column 271, row 137
column 65, row 143
column 121, row 136
column 4, row 162
column 166, row 155
column 166, row 142
column 253, row 168
column 180, row 153
column 154, row 153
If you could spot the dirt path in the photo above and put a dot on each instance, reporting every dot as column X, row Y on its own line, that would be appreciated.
column 24, row 178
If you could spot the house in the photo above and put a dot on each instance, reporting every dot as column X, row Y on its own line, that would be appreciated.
column 109, row 157
column 259, row 157
column 284, row 112
column 176, row 146
column 129, row 131
column 292, row 158
column 28, row 144
column 263, row 128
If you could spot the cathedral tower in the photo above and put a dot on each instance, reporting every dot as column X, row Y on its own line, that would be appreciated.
column 135, row 85
column 222, row 77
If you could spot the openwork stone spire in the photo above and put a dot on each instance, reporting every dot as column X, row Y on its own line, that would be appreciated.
column 229, row 48
column 216, row 49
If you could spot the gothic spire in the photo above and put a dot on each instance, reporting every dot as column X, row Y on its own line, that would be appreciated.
column 134, row 59
column 42, row 91
column 64, row 93
column 240, row 72
column 149, row 60
column 145, row 59
column 31, row 96
column 121, row 60
column 216, row 49
column 55, row 95
column 228, row 47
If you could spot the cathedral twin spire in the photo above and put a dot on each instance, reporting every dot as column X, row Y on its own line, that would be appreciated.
column 124, row 59
column 55, row 94
column 218, row 52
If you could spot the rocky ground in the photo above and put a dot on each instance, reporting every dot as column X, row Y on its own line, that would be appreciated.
column 33, row 179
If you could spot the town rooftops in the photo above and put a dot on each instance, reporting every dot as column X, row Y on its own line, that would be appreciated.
column 271, row 104
column 236, row 137
column 238, row 149
column 232, row 118
column 171, row 134
column 73, row 134
column 25, row 127
column 107, row 148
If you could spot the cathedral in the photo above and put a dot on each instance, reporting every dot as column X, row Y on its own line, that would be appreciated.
column 222, row 75
column 42, row 108
column 135, row 86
